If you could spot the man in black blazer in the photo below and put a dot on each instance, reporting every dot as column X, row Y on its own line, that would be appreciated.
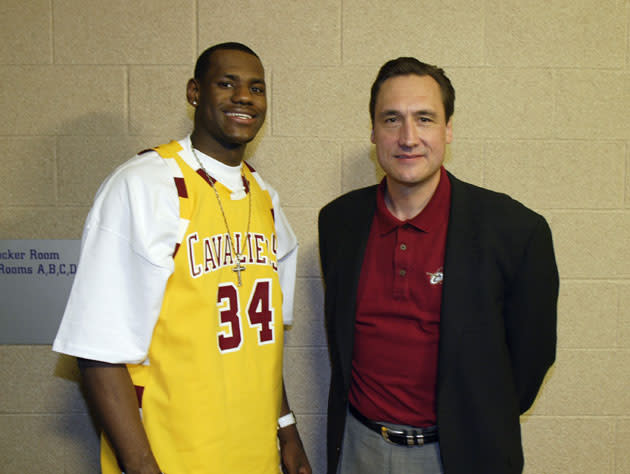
column 440, row 301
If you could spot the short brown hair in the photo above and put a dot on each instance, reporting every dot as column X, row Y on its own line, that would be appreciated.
column 405, row 66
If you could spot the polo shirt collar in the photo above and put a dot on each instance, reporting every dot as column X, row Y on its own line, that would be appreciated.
column 433, row 214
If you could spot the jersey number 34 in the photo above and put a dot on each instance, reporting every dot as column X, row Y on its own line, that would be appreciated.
column 259, row 313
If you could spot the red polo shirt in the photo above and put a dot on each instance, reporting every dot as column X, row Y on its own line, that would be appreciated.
column 395, row 357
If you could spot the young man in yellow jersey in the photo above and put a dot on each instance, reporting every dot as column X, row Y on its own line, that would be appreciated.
column 185, row 281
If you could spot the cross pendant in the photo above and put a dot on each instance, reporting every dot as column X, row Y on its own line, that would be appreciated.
column 238, row 268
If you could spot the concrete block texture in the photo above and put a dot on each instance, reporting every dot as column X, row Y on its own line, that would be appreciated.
column 322, row 102
column 548, row 450
column 25, row 32
column 305, row 172
column 562, row 33
column 591, row 244
column 505, row 103
column 588, row 315
column 623, row 334
column 308, row 326
column 29, row 176
column 121, row 32
column 466, row 158
column 360, row 166
column 592, row 104
column 38, row 380
column 42, row 222
column 306, row 376
column 447, row 33
column 304, row 224
column 281, row 32
column 558, row 174
column 622, row 441
column 63, row 100
column 55, row 444
column 589, row 383
column 157, row 101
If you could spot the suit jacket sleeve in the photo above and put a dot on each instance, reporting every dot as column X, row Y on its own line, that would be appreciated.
column 530, row 314
column 328, row 228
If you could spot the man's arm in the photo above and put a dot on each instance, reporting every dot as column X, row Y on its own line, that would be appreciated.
column 110, row 393
column 294, row 457
column 530, row 315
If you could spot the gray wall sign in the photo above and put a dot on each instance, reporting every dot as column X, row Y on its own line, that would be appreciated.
column 35, row 281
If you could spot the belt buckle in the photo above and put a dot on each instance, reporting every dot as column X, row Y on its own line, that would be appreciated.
column 385, row 434
column 415, row 439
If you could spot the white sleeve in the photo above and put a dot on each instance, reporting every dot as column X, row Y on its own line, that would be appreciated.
column 287, row 258
column 125, row 262
column 286, row 272
column 287, row 253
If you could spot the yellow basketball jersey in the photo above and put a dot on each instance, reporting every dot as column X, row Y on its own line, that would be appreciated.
column 211, row 396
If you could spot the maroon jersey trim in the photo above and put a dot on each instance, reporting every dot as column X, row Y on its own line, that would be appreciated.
column 208, row 179
column 139, row 393
column 180, row 184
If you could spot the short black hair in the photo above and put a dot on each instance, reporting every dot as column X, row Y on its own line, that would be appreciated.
column 406, row 66
column 203, row 61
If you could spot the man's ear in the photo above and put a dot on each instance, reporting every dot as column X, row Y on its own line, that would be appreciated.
column 192, row 92
column 372, row 136
column 449, row 130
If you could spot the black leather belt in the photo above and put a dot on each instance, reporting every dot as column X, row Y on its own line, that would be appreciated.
column 415, row 437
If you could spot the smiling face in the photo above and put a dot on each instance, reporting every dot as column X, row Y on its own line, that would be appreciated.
column 231, row 104
column 410, row 131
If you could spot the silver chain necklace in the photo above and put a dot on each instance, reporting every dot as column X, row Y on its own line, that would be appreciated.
column 238, row 268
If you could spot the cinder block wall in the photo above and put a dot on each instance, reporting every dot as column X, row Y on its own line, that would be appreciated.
column 542, row 112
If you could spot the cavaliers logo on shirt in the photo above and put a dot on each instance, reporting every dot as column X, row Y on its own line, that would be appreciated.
column 257, row 250
column 437, row 277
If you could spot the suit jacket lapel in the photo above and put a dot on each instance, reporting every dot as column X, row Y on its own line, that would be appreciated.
column 356, row 233
column 460, row 261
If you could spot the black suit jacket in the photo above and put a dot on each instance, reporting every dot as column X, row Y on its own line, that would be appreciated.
column 497, row 327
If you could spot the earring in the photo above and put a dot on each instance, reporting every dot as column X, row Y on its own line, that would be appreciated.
column 194, row 102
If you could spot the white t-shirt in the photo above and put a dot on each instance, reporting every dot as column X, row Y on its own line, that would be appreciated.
column 126, row 258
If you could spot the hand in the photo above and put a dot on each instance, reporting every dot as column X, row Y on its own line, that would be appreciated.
column 294, row 459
